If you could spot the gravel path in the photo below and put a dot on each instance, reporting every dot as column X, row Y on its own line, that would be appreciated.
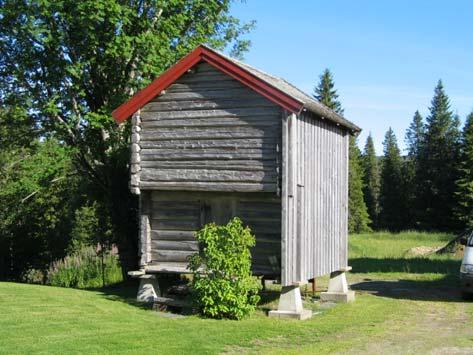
column 441, row 322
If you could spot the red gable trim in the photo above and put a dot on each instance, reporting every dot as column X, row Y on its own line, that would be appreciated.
column 202, row 53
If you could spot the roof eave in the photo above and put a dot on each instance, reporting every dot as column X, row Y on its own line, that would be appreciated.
column 203, row 53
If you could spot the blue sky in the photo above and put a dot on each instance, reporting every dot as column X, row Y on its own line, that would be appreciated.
column 386, row 56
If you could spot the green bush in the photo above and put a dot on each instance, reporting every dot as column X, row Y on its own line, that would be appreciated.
column 83, row 269
column 223, row 286
column 33, row 276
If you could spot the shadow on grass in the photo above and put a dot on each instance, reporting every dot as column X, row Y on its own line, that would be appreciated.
column 267, row 298
column 444, row 289
column 126, row 292
column 407, row 265
column 122, row 292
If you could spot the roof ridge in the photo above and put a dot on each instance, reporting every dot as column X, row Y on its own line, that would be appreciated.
column 327, row 110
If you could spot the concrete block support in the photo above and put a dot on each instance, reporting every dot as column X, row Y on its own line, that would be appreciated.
column 148, row 291
column 290, row 305
column 338, row 288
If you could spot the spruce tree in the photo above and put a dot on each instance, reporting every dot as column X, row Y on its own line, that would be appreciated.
column 391, row 189
column 415, row 135
column 411, row 183
column 438, row 163
column 464, row 184
column 358, row 218
column 371, row 180
column 325, row 92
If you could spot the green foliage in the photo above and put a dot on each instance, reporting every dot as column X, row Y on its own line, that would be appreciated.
column 84, row 269
column 90, row 228
column 16, row 129
column 223, row 284
column 38, row 197
column 464, row 184
column 65, row 65
column 415, row 136
column 325, row 92
column 411, row 182
column 438, row 163
column 358, row 218
column 391, row 187
column 369, row 162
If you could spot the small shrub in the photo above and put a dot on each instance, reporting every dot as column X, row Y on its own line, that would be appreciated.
column 223, row 286
column 83, row 269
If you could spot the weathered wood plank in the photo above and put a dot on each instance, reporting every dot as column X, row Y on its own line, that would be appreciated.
column 203, row 77
column 171, row 255
column 205, row 154
column 174, row 245
column 181, row 212
column 245, row 165
column 265, row 143
column 214, row 85
column 202, row 104
column 241, row 93
column 247, row 132
column 205, row 67
column 168, row 267
column 230, row 122
column 240, row 112
column 175, row 224
column 145, row 239
column 265, row 270
column 176, row 235
column 179, row 175
column 268, row 237
column 209, row 186
column 249, row 206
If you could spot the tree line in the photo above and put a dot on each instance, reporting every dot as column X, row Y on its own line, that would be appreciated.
column 64, row 66
column 428, row 188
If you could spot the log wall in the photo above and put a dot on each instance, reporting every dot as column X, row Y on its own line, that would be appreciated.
column 174, row 218
column 208, row 132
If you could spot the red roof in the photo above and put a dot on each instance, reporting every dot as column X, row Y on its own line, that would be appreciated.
column 203, row 53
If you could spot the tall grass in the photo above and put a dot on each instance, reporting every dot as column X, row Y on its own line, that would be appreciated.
column 391, row 253
column 85, row 269
column 387, row 244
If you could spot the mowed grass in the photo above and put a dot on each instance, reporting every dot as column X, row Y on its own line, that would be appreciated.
column 41, row 319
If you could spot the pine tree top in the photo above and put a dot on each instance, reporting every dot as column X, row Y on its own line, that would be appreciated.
column 391, row 148
column 439, row 107
column 415, row 135
column 326, row 94
column 369, row 146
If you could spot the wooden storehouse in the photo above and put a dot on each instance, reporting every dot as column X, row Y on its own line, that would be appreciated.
column 214, row 138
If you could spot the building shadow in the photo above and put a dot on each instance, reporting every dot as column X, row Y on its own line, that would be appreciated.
column 418, row 265
column 444, row 289
column 411, row 290
column 122, row 292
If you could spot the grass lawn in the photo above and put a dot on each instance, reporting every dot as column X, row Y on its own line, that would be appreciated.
column 57, row 320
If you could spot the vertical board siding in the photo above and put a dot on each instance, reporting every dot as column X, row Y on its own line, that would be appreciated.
column 318, row 244
column 208, row 132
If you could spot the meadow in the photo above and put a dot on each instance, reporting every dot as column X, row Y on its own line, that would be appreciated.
column 401, row 300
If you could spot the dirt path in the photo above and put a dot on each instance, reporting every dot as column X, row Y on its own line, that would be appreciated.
column 440, row 323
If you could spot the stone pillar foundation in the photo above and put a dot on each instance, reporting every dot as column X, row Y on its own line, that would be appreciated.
column 290, row 305
column 338, row 288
